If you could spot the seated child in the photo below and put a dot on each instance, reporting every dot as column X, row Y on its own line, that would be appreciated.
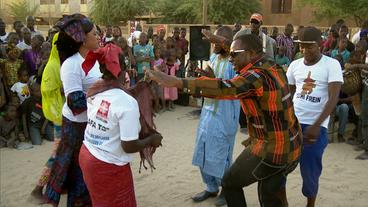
column 11, row 66
column 21, row 87
column 281, row 58
column 9, row 127
column 341, row 50
column 34, row 123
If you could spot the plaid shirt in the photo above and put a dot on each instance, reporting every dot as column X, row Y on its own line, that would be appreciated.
column 264, row 94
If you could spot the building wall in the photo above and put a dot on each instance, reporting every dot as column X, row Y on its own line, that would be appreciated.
column 54, row 10
column 58, row 9
column 299, row 16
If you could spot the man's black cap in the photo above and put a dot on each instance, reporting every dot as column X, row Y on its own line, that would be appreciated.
column 309, row 35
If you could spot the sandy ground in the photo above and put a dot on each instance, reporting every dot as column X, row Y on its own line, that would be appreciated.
column 343, row 182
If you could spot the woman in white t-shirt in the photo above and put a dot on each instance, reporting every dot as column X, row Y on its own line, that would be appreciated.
column 112, row 133
column 77, row 36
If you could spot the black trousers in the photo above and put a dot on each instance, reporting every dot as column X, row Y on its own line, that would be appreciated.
column 248, row 169
column 242, row 119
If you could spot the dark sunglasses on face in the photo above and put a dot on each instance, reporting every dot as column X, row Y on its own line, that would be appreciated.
column 253, row 21
column 235, row 53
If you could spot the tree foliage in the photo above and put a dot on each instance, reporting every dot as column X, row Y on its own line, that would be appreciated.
column 113, row 11
column 179, row 11
column 219, row 11
column 346, row 9
column 20, row 10
column 173, row 11
column 231, row 11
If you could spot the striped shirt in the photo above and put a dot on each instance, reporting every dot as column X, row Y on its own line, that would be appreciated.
column 264, row 94
column 284, row 41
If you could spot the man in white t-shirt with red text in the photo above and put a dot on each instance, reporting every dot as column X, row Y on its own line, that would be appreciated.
column 315, row 82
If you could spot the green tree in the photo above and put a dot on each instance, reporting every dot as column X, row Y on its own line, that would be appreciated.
column 113, row 11
column 219, row 11
column 346, row 9
column 179, row 11
column 20, row 10
column 231, row 11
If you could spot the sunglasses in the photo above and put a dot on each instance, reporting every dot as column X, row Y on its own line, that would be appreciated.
column 235, row 53
column 253, row 21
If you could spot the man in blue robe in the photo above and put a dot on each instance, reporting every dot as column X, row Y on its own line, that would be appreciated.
column 217, row 126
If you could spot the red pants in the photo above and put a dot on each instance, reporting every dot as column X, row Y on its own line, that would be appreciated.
column 108, row 185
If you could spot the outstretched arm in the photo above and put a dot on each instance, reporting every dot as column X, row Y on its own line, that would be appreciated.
column 216, row 39
column 247, row 85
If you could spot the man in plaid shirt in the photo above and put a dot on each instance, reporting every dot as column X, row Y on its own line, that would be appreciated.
column 274, row 146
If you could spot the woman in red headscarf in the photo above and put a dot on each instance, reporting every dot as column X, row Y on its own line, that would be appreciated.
column 112, row 133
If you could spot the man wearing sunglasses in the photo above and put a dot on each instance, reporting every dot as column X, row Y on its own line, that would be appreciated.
column 274, row 145
column 268, row 44
column 315, row 83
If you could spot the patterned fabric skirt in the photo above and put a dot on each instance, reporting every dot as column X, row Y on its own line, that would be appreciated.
column 108, row 184
column 66, row 175
column 45, row 175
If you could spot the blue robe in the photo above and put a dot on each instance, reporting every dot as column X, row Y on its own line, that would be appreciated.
column 217, row 128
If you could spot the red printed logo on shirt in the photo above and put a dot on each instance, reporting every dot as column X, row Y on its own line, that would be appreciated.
column 103, row 110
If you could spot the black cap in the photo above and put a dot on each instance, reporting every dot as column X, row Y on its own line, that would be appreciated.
column 309, row 35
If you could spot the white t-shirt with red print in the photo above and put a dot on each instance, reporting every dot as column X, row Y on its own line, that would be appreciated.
column 113, row 116
column 311, row 83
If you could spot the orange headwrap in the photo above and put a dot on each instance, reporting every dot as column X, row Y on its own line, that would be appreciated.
column 108, row 55
column 160, row 27
column 257, row 17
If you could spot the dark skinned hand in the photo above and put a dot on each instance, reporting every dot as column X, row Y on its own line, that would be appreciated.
column 311, row 134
